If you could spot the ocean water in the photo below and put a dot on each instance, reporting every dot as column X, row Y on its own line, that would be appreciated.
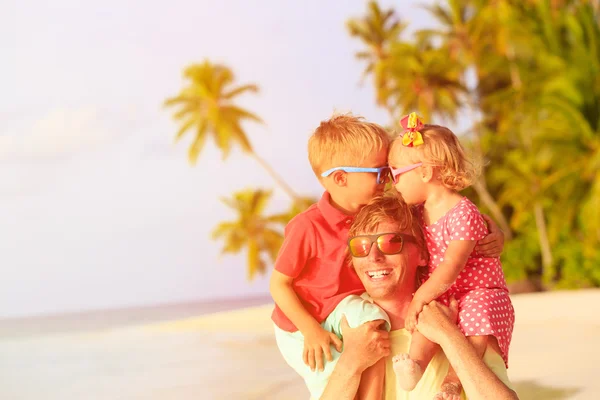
column 114, row 355
column 113, row 318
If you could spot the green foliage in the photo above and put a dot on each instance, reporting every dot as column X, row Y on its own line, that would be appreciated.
column 205, row 107
column 529, row 74
column 259, row 234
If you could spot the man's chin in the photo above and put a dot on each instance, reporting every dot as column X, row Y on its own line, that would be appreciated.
column 379, row 292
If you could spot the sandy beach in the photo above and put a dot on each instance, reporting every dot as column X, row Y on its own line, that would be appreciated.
column 232, row 355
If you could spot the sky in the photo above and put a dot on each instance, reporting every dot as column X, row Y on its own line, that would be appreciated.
column 99, row 207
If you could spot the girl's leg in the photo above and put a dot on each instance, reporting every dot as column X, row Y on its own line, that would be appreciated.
column 410, row 367
column 451, row 387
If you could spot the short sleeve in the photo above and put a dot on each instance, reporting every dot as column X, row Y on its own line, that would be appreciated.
column 357, row 310
column 467, row 224
column 298, row 247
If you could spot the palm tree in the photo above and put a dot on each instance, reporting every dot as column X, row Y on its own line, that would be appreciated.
column 259, row 234
column 206, row 107
column 465, row 30
column 377, row 31
column 420, row 78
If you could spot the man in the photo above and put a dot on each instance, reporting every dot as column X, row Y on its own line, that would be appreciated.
column 390, row 281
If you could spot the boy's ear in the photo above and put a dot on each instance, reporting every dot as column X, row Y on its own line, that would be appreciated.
column 427, row 173
column 340, row 178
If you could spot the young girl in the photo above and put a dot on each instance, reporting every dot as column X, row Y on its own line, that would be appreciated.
column 429, row 168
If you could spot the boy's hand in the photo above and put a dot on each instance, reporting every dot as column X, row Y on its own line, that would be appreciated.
column 317, row 342
column 493, row 244
column 410, row 323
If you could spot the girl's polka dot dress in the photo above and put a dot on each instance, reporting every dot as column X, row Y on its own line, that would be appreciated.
column 484, row 305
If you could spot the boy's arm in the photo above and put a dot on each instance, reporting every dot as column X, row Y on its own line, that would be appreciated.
column 493, row 244
column 286, row 299
column 316, row 339
column 296, row 251
column 479, row 382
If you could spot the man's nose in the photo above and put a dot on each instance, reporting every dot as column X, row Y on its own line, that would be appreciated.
column 375, row 253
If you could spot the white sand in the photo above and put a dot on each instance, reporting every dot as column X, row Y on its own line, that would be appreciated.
column 232, row 355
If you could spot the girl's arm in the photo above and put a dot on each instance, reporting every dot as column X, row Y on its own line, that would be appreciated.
column 454, row 260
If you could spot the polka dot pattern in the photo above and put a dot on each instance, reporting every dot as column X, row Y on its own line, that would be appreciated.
column 484, row 304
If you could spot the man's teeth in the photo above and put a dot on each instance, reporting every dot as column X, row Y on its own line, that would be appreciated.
column 378, row 274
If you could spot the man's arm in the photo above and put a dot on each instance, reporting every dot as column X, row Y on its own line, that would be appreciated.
column 435, row 322
column 363, row 347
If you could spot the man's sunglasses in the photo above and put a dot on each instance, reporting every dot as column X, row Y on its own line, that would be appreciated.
column 383, row 173
column 387, row 243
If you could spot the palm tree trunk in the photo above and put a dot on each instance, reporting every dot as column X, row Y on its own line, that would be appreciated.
column 487, row 199
column 540, row 222
column 515, row 75
column 480, row 184
column 278, row 179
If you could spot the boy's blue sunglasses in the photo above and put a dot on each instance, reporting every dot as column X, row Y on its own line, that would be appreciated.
column 383, row 173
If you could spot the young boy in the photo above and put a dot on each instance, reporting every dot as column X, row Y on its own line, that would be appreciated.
column 313, row 281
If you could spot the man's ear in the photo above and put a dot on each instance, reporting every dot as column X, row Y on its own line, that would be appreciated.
column 340, row 178
column 427, row 172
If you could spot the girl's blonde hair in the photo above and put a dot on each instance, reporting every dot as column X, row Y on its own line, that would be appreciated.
column 442, row 150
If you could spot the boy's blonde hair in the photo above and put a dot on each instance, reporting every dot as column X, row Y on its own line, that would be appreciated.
column 344, row 141
column 442, row 150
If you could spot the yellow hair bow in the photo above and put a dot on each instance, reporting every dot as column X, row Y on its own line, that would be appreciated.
column 412, row 123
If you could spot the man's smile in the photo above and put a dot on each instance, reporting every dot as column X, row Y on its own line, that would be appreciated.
column 378, row 274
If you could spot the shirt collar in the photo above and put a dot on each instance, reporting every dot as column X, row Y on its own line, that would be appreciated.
column 332, row 215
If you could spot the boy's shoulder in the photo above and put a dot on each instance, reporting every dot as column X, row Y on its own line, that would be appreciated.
column 307, row 216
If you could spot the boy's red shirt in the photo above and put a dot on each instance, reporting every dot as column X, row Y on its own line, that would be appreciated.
column 314, row 253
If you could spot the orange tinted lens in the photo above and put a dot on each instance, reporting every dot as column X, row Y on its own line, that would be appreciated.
column 360, row 246
column 390, row 243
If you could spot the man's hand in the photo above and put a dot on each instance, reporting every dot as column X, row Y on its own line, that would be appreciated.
column 365, row 344
column 410, row 322
column 436, row 320
column 316, row 343
column 493, row 244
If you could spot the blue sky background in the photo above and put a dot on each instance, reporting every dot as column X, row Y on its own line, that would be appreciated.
column 98, row 206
